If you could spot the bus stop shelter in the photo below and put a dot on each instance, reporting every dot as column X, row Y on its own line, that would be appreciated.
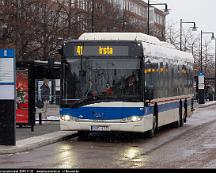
column 27, row 73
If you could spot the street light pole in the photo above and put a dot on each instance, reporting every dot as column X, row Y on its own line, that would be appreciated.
column 201, row 77
column 215, row 74
column 92, row 22
column 194, row 29
column 212, row 38
column 148, row 17
column 201, row 53
column 180, row 34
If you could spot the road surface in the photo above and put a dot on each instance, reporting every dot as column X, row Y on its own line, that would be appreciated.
column 170, row 148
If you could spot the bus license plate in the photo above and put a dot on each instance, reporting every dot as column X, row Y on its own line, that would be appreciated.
column 100, row 128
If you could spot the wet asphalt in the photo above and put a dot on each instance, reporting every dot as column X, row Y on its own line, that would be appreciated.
column 194, row 149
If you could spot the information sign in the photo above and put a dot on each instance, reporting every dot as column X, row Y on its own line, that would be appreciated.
column 7, row 97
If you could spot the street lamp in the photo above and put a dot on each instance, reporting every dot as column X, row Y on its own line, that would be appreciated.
column 201, row 77
column 92, row 17
column 194, row 28
column 212, row 37
column 215, row 73
column 123, row 18
column 166, row 11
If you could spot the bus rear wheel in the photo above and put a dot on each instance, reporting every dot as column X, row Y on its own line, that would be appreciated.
column 185, row 110
column 176, row 124
column 179, row 122
column 181, row 114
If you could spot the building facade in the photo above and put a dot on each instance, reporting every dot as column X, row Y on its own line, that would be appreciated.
column 116, row 16
column 34, row 27
column 136, row 12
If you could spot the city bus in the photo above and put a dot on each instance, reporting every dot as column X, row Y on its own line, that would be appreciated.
column 124, row 82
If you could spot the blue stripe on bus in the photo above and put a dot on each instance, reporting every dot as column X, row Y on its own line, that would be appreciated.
column 112, row 113
column 168, row 106
column 106, row 113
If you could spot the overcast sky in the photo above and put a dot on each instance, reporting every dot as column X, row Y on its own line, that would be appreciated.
column 203, row 12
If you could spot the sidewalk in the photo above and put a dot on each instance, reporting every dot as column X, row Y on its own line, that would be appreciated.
column 46, row 127
column 45, row 134
column 36, row 141
column 208, row 103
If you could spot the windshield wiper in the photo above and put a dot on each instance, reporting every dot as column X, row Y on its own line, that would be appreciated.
column 84, row 101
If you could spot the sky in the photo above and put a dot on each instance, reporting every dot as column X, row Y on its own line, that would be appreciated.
column 203, row 12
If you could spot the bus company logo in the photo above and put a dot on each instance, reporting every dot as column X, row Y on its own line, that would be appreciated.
column 98, row 114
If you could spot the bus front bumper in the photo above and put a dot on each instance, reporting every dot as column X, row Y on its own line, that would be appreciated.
column 140, row 126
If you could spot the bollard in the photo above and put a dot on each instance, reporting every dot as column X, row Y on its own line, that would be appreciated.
column 32, row 128
column 40, row 118
column 192, row 104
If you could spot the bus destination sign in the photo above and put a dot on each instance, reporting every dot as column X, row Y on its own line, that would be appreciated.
column 80, row 50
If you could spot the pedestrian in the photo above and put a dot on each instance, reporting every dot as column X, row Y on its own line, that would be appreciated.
column 45, row 93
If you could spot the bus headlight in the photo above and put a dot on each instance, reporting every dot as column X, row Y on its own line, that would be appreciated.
column 66, row 118
column 135, row 118
column 132, row 119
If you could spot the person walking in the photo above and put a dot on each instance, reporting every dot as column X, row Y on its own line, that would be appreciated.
column 45, row 93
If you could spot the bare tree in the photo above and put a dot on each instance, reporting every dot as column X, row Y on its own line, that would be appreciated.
column 191, row 43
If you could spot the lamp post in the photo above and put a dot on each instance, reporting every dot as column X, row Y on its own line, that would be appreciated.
column 215, row 74
column 92, row 17
column 201, row 78
column 193, row 29
column 213, row 38
column 166, row 10
column 123, row 18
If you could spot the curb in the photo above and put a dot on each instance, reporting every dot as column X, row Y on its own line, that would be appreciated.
column 206, row 105
column 37, row 141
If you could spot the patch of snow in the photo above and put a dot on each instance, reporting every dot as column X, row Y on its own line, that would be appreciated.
column 53, row 118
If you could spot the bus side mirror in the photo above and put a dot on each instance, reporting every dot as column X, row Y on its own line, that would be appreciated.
column 149, row 93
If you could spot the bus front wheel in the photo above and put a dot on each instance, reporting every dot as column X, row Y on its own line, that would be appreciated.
column 181, row 114
column 83, row 135
column 151, row 133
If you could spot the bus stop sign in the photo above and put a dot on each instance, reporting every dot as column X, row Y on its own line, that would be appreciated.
column 7, row 97
column 201, row 81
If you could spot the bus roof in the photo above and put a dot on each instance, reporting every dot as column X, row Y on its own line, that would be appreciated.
column 128, row 36
column 152, row 45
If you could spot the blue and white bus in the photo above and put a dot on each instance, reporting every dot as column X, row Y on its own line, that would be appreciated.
column 128, row 82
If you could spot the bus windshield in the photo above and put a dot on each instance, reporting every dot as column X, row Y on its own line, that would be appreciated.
column 101, row 79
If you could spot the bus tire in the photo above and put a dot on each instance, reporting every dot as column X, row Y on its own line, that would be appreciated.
column 151, row 133
column 156, row 116
column 83, row 135
column 185, row 110
column 177, row 124
column 181, row 119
